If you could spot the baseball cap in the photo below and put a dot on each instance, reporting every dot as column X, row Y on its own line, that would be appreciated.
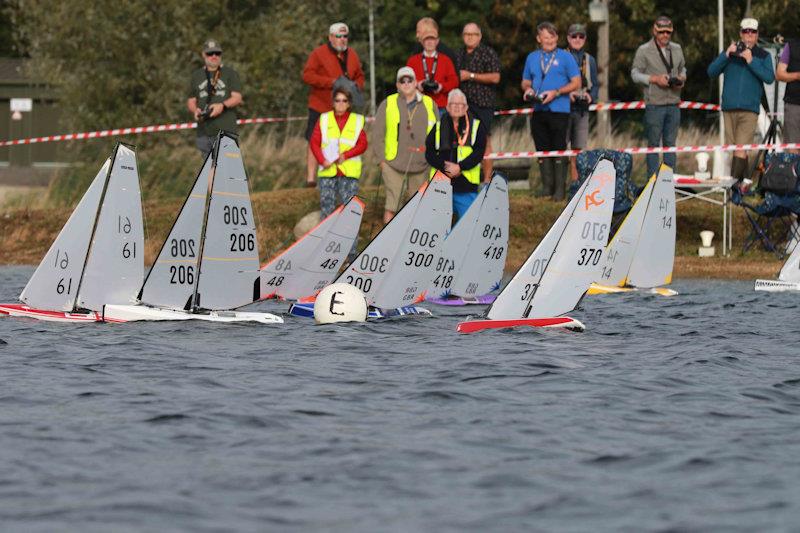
column 406, row 71
column 576, row 28
column 749, row 24
column 663, row 23
column 211, row 46
column 338, row 27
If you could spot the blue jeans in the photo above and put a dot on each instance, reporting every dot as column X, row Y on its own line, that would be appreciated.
column 462, row 201
column 661, row 126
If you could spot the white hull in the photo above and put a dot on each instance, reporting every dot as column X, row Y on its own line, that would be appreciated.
column 775, row 285
column 134, row 313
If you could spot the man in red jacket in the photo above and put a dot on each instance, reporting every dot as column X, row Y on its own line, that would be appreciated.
column 325, row 65
column 436, row 74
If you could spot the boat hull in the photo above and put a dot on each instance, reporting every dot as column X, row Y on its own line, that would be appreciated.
column 136, row 313
column 596, row 288
column 775, row 285
column 473, row 326
column 23, row 311
column 306, row 310
column 485, row 299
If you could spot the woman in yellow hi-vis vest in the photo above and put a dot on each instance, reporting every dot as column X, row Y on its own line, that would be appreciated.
column 456, row 146
column 337, row 142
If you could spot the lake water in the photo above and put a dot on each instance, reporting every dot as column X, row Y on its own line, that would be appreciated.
column 667, row 414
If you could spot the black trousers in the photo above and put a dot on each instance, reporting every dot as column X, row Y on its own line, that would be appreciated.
column 549, row 130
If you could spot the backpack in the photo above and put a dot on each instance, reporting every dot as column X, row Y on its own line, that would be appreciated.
column 780, row 177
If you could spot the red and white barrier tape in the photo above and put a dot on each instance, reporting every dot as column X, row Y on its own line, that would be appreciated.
column 616, row 106
column 192, row 125
column 649, row 150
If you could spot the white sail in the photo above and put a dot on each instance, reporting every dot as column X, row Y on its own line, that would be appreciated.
column 115, row 268
column 170, row 282
column 790, row 271
column 558, row 273
column 413, row 263
column 655, row 252
column 313, row 261
column 482, row 265
column 622, row 247
column 229, row 276
column 382, row 271
column 54, row 284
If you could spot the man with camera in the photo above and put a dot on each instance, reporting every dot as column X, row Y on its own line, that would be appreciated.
column 659, row 65
column 213, row 93
column 550, row 75
column 789, row 73
column 435, row 72
column 578, row 131
column 747, row 68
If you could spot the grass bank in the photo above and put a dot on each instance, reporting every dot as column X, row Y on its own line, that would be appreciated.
column 27, row 230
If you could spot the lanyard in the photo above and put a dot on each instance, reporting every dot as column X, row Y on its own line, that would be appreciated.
column 211, row 86
column 433, row 67
column 664, row 59
column 462, row 139
column 545, row 68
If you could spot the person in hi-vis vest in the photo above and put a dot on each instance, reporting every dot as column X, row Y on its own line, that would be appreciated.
column 402, row 122
column 456, row 147
column 337, row 142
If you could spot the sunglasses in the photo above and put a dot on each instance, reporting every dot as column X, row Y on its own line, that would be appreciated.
column 578, row 36
column 471, row 34
column 748, row 30
column 340, row 35
column 406, row 79
column 341, row 101
column 209, row 54
column 664, row 32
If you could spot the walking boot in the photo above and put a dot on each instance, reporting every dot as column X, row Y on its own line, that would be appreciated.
column 560, row 177
column 546, row 173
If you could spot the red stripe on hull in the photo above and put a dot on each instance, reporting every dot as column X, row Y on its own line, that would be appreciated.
column 21, row 310
column 472, row 326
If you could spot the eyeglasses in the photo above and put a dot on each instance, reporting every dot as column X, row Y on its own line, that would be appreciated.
column 749, row 30
column 471, row 34
column 340, row 35
column 578, row 36
column 406, row 79
column 209, row 54
column 664, row 32
column 457, row 104
column 341, row 101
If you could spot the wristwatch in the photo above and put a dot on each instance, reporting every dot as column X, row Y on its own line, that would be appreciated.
column 472, row 75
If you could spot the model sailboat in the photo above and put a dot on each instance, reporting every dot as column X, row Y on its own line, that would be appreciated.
column 642, row 252
column 209, row 263
column 97, row 257
column 557, row 274
column 397, row 264
column 472, row 257
column 311, row 263
column 788, row 277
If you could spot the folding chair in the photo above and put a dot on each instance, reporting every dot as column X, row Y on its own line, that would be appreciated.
column 625, row 191
column 772, row 219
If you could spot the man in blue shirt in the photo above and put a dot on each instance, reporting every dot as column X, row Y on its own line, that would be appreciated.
column 550, row 75
column 747, row 68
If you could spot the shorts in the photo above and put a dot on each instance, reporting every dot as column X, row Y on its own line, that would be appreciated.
column 485, row 115
column 578, row 130
column 393, row 182
column 313, row 117
column 791, row 123
column 740, row 126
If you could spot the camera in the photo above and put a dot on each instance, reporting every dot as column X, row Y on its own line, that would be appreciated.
column 581, row 101
column 740, row 47
column 534, row 98
column 675, row 82
column 205, row 114
column 429, row 86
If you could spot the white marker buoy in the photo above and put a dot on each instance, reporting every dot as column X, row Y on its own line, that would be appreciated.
column 340, row 302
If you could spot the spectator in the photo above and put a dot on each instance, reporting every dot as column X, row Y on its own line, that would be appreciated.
column 325, row 65
column 401, row 149
column 456, row 147
column 435, row 73
column 789, row 73
column 479, row 73
column 747, row 67
column 213, row 93
column 550, row 75
column 337, row 142
column 424, row 24
column 578, row 130
column 659, row 66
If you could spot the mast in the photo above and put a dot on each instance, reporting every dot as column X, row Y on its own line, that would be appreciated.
column 211, row 176
column 94, row 225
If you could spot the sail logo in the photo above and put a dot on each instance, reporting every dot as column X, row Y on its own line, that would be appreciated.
column 592, row 199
